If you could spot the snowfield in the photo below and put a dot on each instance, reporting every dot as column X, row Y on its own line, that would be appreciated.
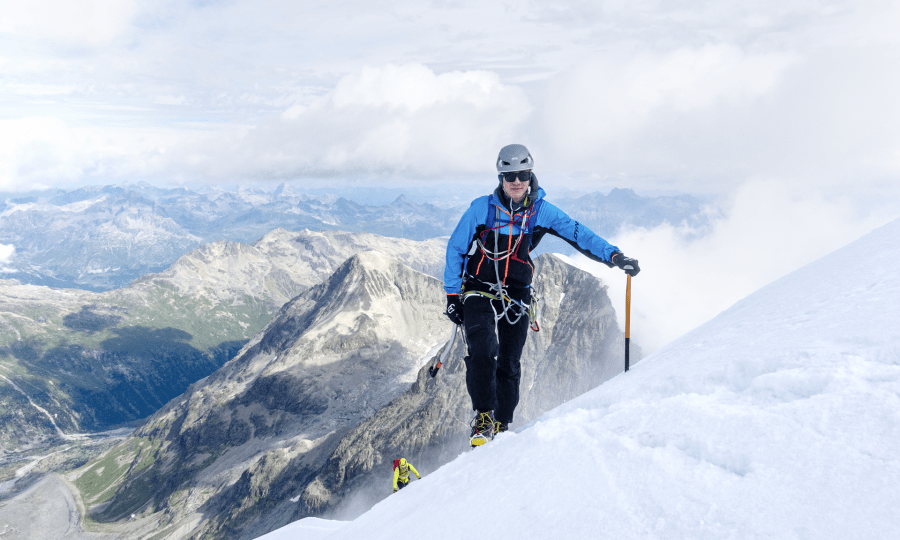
column 779, row 418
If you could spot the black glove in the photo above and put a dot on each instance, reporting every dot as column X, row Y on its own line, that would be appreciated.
column 629, row 265
column 454, row 309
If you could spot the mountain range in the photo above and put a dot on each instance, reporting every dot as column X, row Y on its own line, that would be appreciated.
column 307, row 417
column 103, row 237
column 302, row 356
column 83, row 362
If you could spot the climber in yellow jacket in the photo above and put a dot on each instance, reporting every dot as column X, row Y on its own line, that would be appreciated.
column 402, row 469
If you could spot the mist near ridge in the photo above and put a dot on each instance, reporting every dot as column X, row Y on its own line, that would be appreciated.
column 768, row 229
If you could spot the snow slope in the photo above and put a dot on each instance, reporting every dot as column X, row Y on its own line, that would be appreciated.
column 780, row 418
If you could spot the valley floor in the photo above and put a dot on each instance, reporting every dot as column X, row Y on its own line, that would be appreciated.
column 51, row 499
column 36, row 500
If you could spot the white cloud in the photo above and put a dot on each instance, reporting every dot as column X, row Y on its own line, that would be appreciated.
column 771, row 229
column 655, row 115
column 35, row 150
column 393, row 118
column 40, row 89
column 685, row 95
column 413, row 87
column 611, row 97
column 171, row 100
column 711, row 117
column 84, row 23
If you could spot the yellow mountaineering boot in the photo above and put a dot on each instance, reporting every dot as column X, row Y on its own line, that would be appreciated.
column 482, row 428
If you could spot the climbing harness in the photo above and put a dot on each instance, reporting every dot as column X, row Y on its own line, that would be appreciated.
column 498, row 292
column 506, row 302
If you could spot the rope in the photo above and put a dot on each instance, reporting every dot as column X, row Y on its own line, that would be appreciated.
column 519, row 220
column 498, row 289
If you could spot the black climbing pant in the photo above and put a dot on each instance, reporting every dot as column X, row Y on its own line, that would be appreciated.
column 492, row 363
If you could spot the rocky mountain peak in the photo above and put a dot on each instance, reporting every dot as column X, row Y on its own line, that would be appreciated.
column 370, row 297
column 337, row 384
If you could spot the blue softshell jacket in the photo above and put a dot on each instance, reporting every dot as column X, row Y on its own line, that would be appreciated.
column 538, row 217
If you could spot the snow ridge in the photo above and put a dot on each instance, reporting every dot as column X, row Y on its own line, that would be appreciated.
column 780, row 418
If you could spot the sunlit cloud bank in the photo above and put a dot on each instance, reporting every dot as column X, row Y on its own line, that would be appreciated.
column 770, row 229
column 710, row 117
column 40, row 152
column 388, row 119
column 37, row 150
column 612, row 98
column 642, row 94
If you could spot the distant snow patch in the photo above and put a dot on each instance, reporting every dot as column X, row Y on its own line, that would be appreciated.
column 6, row 253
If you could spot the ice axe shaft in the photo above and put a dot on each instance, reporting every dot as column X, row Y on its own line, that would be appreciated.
column 627, row 321
column 433, row 370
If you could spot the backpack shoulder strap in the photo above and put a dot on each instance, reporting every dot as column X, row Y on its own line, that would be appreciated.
column 491, row 214
column 494, row 213
column 535, row 208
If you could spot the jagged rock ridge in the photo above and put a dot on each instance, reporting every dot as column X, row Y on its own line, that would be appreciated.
column 321, row 399
column 96, row 360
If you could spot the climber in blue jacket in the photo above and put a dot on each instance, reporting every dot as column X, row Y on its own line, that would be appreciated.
column 488, row 282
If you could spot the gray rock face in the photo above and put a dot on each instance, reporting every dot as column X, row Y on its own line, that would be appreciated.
column 578, row 347
column 329, row 358
column 313, row 410
column 85, row 362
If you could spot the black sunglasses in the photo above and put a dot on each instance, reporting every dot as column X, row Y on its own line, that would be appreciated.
column 521, row 176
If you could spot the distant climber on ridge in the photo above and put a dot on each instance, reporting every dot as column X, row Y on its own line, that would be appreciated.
column 402, row 469
column 488, row 282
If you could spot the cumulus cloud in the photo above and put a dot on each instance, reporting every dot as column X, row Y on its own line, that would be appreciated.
column 393, row 118
column 686, row 96
column 37, row 150
column 693, row 113
column 771, row 228
column 705, row 118
column 610, row 98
